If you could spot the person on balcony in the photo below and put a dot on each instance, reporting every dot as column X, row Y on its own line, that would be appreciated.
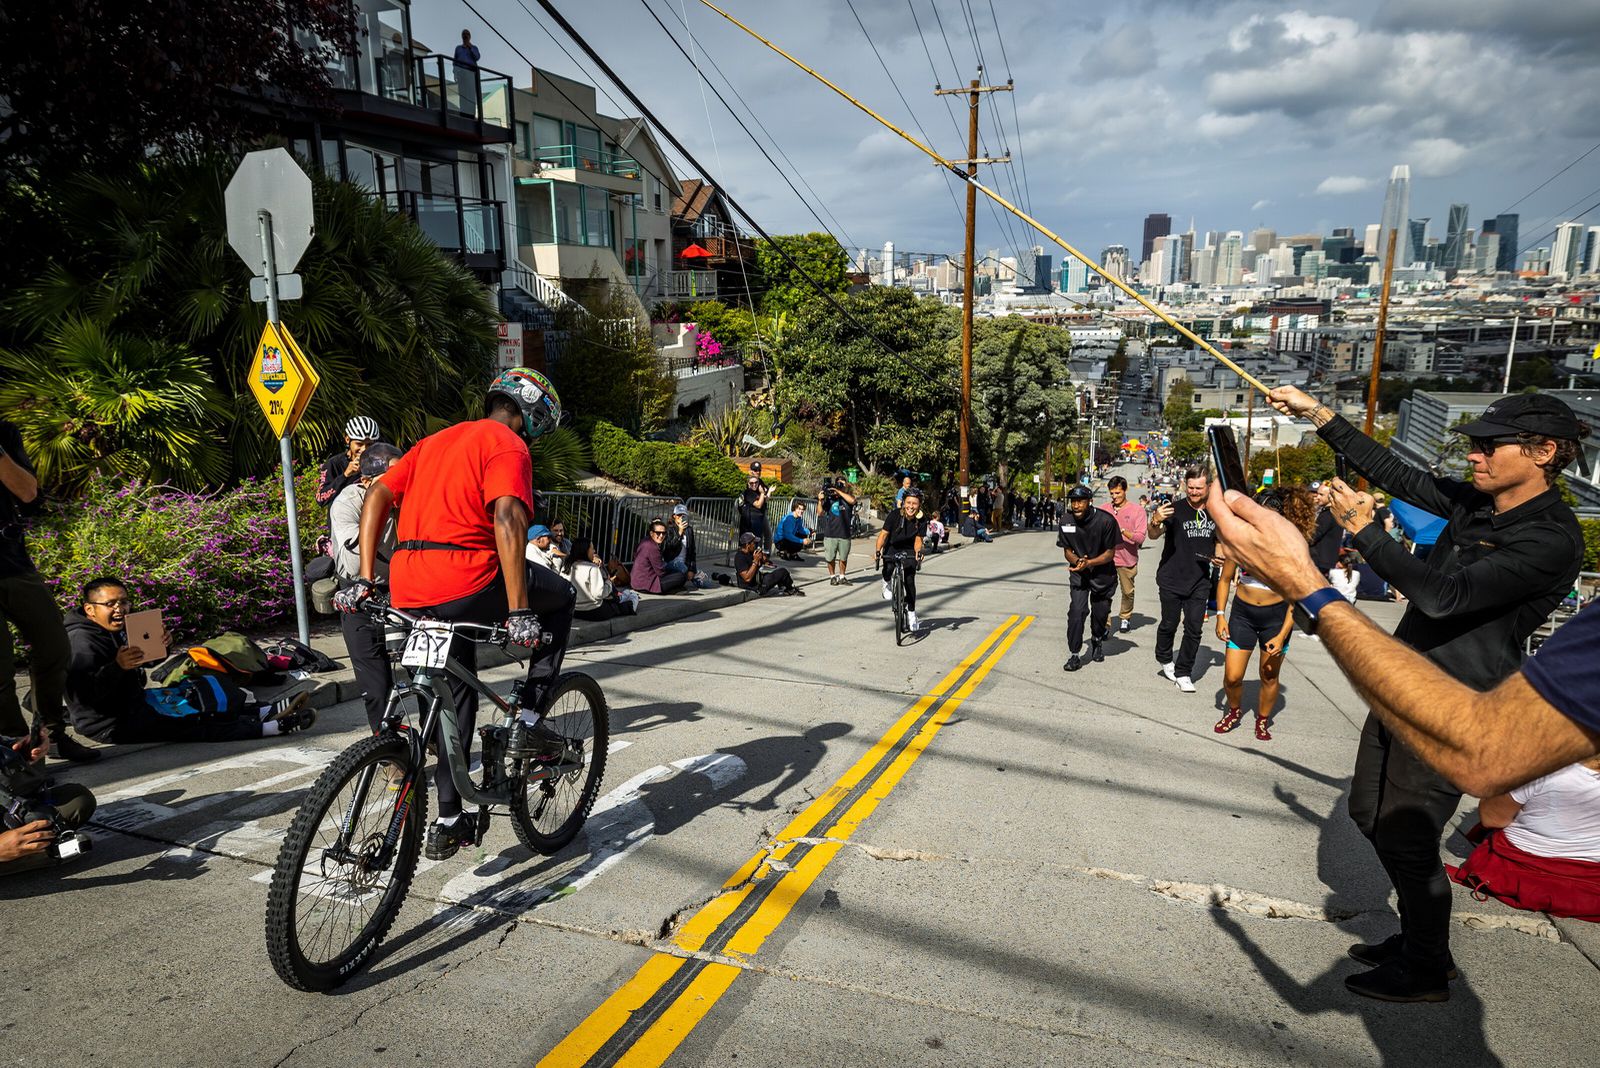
column 466, row 72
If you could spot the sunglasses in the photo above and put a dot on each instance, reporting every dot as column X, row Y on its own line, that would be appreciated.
column 121, row 603
column 1489, row 445
column 658, row 533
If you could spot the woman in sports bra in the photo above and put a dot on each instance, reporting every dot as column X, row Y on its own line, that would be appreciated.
column 1259, row 617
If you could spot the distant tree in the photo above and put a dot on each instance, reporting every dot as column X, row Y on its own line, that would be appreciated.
column 817, row 255
column 84, row 79
column 1189, row 446
column 1023, row 396
column 1297, row 465
column 611, row 369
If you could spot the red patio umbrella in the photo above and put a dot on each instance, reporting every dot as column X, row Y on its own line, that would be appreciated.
column 696, row 252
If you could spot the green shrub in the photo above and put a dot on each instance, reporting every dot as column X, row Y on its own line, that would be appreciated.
column 1591, row 544
column 667, row 468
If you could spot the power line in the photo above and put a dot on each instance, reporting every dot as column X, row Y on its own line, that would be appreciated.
column 1016, row 118
column 737, row 96
column 1557, row 228
column 912, row 112
column 1553, row 177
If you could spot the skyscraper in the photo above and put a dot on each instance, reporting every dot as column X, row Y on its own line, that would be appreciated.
column 1488, row 251
column 1230, row 267
column 1396, row 216
column 1506, row 227
column 1564, row 257
column 1156, row 224
column 1419, row 241
column 1203, row 266
column 1372, row 241
column 1263, row 239
column 1114, row 258
column 1455, row 238
column 1591, row 251
column 1169, row 256
column 1075, row 276
column 1187, row 253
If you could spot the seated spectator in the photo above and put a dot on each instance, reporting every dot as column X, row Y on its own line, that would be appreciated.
column 560, row 545
column 583, row 550
column 792, row 533
column 1539, row 846
column 28, row 846
column 936, row 535
column 540, row 550
column 649, row 574
column 684, row 548
column 107, row 699
column 1344, row 576
column 1369, row 584
column 747, row 561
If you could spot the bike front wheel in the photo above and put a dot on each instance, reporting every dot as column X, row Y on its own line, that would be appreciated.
column 337, row 886
column 548, row 812
column 900, row 621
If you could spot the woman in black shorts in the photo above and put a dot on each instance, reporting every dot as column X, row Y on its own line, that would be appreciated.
column 1259, row 617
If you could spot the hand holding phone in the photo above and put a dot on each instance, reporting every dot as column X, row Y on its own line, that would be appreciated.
column 1225, row 458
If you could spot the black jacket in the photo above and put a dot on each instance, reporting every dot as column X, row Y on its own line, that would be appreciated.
column 1326, row 542
column 1490, row 580
column 98, row 691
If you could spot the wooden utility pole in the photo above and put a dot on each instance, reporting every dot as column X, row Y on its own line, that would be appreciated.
column 1383, row 324
column 974, row 93
column 1249, row 421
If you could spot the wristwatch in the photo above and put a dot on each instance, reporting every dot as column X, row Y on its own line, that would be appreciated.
column 1309, row 607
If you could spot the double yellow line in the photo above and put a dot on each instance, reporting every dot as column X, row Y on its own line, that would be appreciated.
column 651, row 1014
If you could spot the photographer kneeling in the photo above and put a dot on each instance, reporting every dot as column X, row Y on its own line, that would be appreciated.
column 39, row 818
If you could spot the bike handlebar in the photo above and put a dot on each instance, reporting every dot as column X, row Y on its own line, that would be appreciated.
column 491, row 633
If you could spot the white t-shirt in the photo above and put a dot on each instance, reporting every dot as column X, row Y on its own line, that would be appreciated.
column 1560, row 815
column 1345, row 582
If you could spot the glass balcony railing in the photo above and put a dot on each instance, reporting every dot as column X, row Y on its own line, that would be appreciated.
column 581, row 158
column 443, row 85
column 462, row 226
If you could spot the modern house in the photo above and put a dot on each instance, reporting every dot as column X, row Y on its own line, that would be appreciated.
column 419, row 131
column 702, row 222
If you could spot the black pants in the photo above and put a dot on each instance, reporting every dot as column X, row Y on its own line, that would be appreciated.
column 552, row 599
column 74, row 805
column 1403, row 806
column 1193, row 611
column 774, row 580
column 363, row 640
column 910, row 579
column 757, row 525
column 26, row 604
column 784, row 545
column 1093, row 603
column 673, row 581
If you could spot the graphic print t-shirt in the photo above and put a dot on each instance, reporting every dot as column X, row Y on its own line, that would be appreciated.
column 1190, row 533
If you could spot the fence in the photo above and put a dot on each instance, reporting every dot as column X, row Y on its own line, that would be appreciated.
column 1587, row 589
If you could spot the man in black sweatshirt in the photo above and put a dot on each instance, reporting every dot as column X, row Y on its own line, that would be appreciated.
column 1509, row 554
column 1183, row 578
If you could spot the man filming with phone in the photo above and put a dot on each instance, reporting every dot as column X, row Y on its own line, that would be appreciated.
column 1183, row 577
column 1507, row 556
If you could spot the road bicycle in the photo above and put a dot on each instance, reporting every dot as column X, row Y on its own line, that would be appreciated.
column 897, row 589
column 350, row 853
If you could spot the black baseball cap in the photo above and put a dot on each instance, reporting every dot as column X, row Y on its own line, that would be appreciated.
column 1524, row 413
column 1080, row 492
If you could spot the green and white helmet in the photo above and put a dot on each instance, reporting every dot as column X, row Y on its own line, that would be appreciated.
column 534, row 396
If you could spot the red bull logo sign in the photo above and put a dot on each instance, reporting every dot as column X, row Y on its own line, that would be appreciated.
column 271, row 370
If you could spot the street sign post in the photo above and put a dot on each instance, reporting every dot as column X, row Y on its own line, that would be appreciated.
column 269, row 212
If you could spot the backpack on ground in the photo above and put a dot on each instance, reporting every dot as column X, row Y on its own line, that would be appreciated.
column 288, row 654
column 230, row 654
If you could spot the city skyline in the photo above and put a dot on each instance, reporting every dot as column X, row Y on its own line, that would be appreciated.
column 1238, row 114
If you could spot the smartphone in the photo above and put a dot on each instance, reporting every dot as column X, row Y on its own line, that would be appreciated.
column 146, row 631
column 1225, row 458
column 1341, row 468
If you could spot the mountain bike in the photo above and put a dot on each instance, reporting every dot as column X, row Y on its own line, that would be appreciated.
column 350, row 853
column 897, row 588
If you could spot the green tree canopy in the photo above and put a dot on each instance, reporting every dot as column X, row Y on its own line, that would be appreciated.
column 818, row 255
column 1179, row 412
column 875, row 408
column 1022, row 394
column 610, row 368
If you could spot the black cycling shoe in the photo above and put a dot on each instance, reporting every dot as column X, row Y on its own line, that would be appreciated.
column 1398, row 981
column 1072, row 664
column 444, row 842
column 1377, row 954
column 1096, row 652
column 534, row 742
column 67, row 747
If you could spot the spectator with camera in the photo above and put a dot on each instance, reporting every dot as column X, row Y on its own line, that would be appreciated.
column 108, row 701
column 38, row 819
column 1183, row 578
column 752, row 505
column 835, row 516
column 1507, row 556
column 749, row 564
column 26, row 604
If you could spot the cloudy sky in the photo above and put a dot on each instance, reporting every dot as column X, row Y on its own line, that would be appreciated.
column 1238, row 114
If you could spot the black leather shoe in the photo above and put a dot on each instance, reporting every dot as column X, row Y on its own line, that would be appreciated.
column 1097, row 652
column 1073, row 664
column 1377, row 954
column 68, row 748
column 444, row 842
column 1398, row 981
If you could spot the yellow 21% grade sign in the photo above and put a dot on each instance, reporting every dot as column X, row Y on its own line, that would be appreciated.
column 282, row 379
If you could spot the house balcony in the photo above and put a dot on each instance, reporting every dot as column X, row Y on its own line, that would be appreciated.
column 586, row 166
column 691, row 285
column 427, row 93
column 466, row 228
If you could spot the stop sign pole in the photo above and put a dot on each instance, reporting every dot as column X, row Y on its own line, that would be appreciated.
column 297, row 565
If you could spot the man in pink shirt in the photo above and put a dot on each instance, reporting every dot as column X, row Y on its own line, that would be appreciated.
column 1132, row 520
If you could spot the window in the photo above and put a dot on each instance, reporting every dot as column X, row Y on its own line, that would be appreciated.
column 536, row 209
column 633, row 258
column 524, row 142
column 1238, row 398
column 547, row 133
column 596, row 218
column 565, row 213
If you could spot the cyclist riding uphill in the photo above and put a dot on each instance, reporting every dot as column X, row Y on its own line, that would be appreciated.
column 902, row 533
column 467, row 497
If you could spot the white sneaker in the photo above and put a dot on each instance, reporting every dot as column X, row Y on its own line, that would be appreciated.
column 1168, row 673
column 911, row 621
column 888, row 594
column 1185, row 684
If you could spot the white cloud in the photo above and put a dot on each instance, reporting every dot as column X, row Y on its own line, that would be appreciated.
column 1436, row 157
column 1339, row 184
column 1218, row 126
column 1258, row 205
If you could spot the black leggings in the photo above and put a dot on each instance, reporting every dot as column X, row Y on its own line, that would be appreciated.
column 910, row 579
column 551, row 598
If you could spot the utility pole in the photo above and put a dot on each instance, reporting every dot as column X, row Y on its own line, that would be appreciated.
column 974, row 93
column 1383, row 324
column 1511, row 351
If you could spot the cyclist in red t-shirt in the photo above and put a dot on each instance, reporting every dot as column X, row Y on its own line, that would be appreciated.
column 468, row 499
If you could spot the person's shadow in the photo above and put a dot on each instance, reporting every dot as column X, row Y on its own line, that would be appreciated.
column 1451, row 1034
